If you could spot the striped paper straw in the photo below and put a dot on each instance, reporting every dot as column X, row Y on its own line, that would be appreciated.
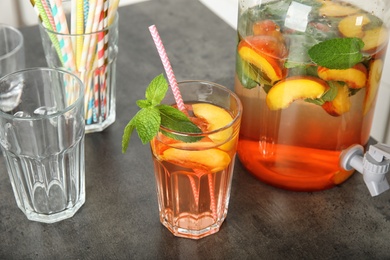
column 112, row 11
column 104, row 72
column 100, row 46
column 167, row 67
column 61, row 27
column 87, row 37
column 45, row 20
column 96, row 87
column 79, row 30
column 73, row 18
column 92, row 46
column 86, row 11
column 48, row 13
column 89, row 99
column 213, row 204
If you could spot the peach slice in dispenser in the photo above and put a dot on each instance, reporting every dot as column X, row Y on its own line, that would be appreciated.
column 376, row 67
column 264, row 51
column 355, row 77
column 341, row 103
column 290, row 89
column 374, row 39
column 352, row 26
column 333, row 9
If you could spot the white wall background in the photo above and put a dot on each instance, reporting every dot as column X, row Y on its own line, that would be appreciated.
column 20, row 12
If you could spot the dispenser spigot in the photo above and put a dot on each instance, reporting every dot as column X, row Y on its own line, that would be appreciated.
column 374, row 165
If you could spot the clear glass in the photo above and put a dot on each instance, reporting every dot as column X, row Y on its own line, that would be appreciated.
column 194, row 179
column 11, row 50
column 298, row 116
column 42, row 138
column 92, row 57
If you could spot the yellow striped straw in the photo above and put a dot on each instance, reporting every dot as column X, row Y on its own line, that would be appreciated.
column 87, row 38
column 112, row 11
column 79, row 30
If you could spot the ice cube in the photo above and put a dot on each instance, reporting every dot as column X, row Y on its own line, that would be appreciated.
column 45, row 110
column 11, row 98
column 22, row 114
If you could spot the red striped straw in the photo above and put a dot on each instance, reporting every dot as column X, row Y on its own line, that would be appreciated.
column 167, row 67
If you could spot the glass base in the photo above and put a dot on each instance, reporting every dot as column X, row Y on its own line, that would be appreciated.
column 99, row 127
column 193, row 227
column 56, row 217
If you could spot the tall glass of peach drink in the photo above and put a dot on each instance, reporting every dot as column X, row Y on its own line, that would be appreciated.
column 194, row 170
column 308, row 73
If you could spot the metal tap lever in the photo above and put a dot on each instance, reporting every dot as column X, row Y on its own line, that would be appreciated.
column 373, row 165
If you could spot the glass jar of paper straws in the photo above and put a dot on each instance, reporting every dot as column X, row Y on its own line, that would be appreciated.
column 82, row 36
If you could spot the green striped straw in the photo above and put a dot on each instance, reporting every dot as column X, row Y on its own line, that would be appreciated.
column 46, row 22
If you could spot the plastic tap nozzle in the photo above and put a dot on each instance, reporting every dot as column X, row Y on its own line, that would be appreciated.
column 373, row 165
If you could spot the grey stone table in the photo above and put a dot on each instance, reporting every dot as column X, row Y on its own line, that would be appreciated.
column 120, row 217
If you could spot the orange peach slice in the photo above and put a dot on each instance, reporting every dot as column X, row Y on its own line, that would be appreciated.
column 352, row 26
column 212, row 159
column 282, row 94
column 333, row 9
column 268, row 27
column 263, row 52
column 216, row 118
column 374, row 38
column 374, row 77
column 340, row 104
column 355, row 77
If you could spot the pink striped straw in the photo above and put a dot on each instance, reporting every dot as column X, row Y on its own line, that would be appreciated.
column 167, row 67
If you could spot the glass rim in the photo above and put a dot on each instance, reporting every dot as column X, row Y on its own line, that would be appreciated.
column 113, row 24
column 79, row 99
column 230, row 124
column 18, row 46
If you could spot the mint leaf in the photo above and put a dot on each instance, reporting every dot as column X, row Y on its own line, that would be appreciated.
column 147, row 121
column 177, row 121
column 143, row 103
column 127, row 134
column 331, row 93
column 337, row 53
column 156, row 90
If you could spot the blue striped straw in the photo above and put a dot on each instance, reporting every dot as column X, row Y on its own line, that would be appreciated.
column 86, row 12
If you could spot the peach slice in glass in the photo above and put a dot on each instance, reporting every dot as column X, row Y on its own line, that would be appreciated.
column 211, row 159
column 216, row 118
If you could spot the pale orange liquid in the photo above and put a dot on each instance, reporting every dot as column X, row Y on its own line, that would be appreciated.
column 193, row 200
column 298, row 148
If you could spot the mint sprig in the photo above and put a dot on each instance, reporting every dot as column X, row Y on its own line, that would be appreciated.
column 337, row 53
column 152, row 114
